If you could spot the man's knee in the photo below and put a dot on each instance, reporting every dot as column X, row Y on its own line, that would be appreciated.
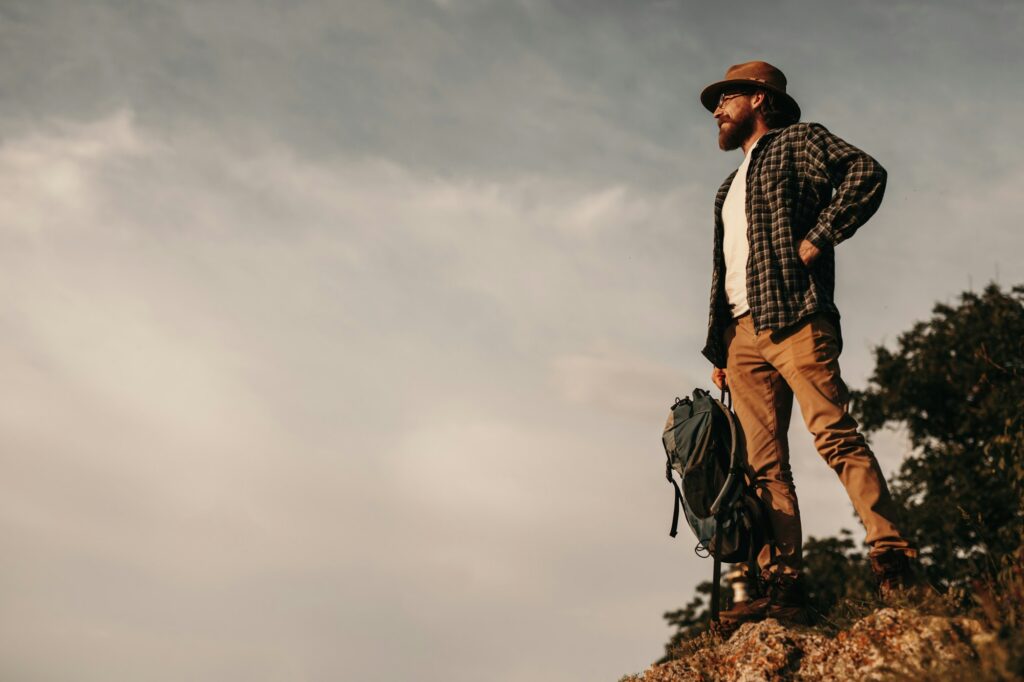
column 840, row 447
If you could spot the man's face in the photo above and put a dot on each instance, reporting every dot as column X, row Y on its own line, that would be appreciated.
column 735, row 118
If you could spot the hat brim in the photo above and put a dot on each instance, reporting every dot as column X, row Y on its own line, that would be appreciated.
column 709, row 96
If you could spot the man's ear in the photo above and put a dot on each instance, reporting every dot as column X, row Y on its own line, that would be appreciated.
column 756, row 99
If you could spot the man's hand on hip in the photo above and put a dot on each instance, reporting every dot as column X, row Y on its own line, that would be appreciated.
column 718, row 378
column 808, row 252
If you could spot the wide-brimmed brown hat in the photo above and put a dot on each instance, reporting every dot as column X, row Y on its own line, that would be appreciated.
column 752, row 74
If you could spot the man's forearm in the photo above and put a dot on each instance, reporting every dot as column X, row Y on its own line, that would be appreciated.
column 859, row 181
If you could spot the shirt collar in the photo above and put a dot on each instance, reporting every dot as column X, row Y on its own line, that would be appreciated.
column 762, row 141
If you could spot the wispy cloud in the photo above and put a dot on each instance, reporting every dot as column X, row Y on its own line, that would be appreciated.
column 268, row 365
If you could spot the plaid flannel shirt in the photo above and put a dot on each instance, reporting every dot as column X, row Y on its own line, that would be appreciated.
column 790, row 180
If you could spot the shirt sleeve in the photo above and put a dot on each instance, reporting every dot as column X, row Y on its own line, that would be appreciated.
column 858, row 180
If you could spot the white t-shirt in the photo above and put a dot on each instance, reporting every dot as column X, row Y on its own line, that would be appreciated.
column 737, row 249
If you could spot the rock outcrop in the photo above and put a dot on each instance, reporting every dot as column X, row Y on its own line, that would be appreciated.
column 888, row 644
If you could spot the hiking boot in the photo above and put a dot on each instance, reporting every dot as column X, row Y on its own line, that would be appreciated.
column 895, row 576
column 750, row 611
column 787, row 601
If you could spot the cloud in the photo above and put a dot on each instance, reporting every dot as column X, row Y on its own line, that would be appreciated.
column 47, row 182
column 236, row 369
column 618, row 383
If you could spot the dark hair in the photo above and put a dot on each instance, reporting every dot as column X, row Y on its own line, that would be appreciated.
column 775, row 116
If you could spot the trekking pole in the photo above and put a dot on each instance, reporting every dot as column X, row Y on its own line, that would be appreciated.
column 716, row 580
column 716, row 588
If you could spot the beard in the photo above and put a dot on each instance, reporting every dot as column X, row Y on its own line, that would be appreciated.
column 732, row 133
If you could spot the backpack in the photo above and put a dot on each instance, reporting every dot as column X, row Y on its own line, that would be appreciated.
column 704, row 445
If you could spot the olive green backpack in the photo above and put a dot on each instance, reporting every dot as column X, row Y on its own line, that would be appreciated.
column 704, row 446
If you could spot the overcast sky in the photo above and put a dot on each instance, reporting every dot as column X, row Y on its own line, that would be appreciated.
column 337, row 338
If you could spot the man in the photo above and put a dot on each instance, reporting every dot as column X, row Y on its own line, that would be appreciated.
column 773, row 331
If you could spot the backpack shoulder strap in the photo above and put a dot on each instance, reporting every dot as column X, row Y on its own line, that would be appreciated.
column 733, row 465
column 678, row 502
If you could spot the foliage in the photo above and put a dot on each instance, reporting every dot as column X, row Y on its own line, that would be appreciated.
column 1001, row 602
column 957, row 383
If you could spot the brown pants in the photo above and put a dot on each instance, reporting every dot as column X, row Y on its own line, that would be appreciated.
column 764, row 372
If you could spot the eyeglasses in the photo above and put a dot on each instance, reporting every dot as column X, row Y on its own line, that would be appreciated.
column 723, row 98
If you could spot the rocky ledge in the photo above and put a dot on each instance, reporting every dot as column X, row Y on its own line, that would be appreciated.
column 888, row 644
